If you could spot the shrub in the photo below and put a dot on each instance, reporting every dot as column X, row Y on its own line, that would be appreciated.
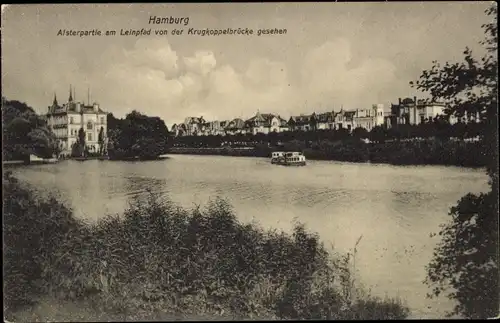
column 158, row 258
column 33, row 230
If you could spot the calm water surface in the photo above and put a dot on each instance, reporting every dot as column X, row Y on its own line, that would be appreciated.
column 393, row 208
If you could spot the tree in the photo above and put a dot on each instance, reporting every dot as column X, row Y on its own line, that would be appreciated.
column 100, row 140
column 467, row 257
column 378, row 134
column 137, row 136
column 360, row 133
column 25, row 132
column 81, row 141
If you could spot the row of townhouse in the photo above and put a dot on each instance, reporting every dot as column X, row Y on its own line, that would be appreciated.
column 347, row 119
column 407, row 111
column 268, row 122
column 260, row 123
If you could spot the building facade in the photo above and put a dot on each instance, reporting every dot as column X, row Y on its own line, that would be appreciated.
column 195, row 126
column 302, row 123
column 414, row 112
column 369, row 118
column 345, row 120
column 265, row 123
column 325, row 120
column 67, row 119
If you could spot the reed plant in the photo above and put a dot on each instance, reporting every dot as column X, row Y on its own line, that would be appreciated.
column 160, row 261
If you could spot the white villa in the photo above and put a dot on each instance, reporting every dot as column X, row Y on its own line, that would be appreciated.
column 66, row 120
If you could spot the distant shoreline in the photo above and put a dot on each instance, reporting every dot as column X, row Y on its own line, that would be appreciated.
column 11, row 163
column 383, row 153
column 391, row 153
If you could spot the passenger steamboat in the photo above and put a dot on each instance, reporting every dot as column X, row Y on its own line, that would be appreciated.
column 288, row 158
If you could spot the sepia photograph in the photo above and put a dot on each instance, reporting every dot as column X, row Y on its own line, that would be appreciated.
column 250, row 161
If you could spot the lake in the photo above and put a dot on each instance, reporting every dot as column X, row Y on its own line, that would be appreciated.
column 393, row 208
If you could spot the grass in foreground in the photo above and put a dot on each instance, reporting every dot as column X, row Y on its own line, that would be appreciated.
column 161, row 262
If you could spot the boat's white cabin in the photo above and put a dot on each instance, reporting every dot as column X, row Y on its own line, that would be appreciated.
column 293, row 154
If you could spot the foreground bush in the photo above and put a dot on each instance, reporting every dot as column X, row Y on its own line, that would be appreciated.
column 158, row 259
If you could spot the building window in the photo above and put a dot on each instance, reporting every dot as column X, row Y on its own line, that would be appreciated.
column 89, row 125
column 102, row 120
column 89, row 136
column 71, row 120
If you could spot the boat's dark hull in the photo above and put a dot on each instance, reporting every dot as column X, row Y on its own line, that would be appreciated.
column 284, row 163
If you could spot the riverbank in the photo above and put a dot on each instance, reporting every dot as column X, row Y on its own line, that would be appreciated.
column 137, row 158
column 38, row 161
column 157, row 260
column 422, row 152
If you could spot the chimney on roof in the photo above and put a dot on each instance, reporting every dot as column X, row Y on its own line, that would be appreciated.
column 399, row 101
column 415, row 100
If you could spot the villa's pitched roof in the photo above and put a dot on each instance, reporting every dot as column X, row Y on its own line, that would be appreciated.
column 236, row 124
column 306, row 119
column 325, row 117
column 408, row 101
column 284, row 123
column 71, row 107
column 300, row 120
column 349, row 115
column 261, row 119
column 193, row 120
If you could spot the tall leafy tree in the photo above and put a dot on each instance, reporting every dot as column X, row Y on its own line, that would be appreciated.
column 137, row 135
column 465, row 263
column 81, row 141
column 24, row 132
column 100, row 140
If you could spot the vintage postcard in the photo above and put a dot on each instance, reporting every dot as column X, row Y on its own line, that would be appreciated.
column 250, row 161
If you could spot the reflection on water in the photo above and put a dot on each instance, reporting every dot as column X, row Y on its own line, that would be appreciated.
column 393, row 208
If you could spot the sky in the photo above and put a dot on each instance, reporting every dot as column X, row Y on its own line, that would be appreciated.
column 333, row 55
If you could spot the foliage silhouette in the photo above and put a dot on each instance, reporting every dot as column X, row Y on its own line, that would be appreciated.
column 25, row 133
column 136, row 135
column 465, row 263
